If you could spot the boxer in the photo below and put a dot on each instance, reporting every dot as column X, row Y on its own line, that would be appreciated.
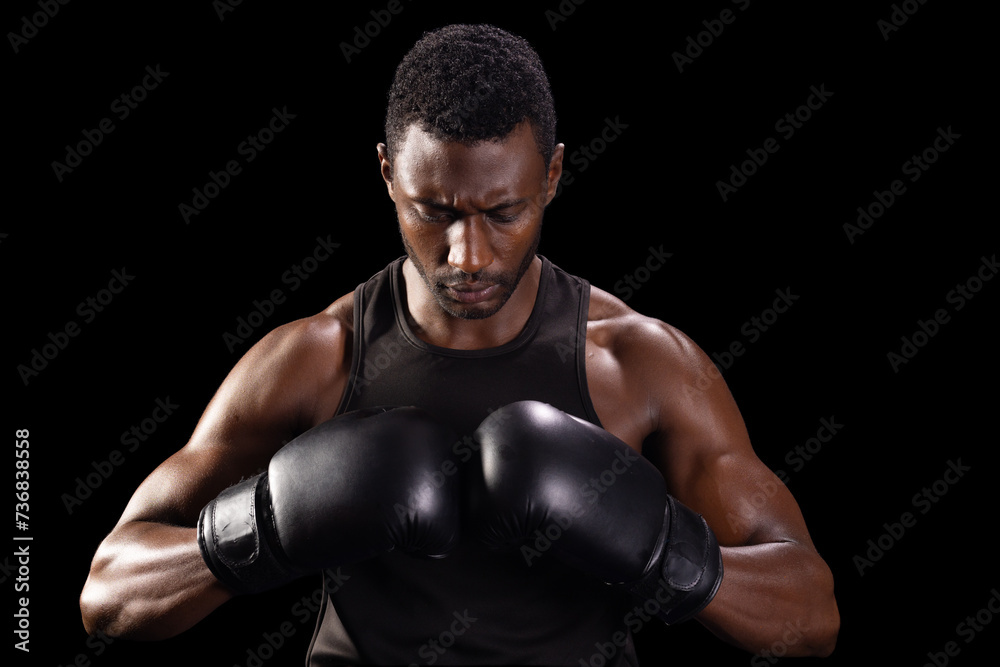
column 531, row 470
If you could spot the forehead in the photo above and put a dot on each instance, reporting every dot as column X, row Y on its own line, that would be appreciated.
column 428, row 167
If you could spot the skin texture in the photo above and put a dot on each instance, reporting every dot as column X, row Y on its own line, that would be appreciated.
column 470, row 217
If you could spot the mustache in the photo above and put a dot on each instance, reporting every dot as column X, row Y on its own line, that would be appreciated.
column 479, row 278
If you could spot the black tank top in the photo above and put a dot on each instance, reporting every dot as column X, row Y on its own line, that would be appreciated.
column 476, row 605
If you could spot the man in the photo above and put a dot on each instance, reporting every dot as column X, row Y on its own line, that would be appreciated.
column 534, row 395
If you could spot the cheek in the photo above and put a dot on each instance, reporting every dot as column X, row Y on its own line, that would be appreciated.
column 426, row 240
column 522, row 238
column 511, row 243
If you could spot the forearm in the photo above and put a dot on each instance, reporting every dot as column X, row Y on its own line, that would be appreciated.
column 149, row 581
column 775, row 597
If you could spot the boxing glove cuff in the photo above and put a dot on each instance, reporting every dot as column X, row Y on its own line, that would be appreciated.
column 237, row 538
column 685, row 570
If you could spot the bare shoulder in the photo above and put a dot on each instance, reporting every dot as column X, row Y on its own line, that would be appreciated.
column 690, row 424
column 637, row 365
column 641, row 343
column 289, row 381
column 299, row 368
column 691, row 427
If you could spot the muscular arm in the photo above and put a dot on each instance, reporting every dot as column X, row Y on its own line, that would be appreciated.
column 776, row 588
column 148, row 579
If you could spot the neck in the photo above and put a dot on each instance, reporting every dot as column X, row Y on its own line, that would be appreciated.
column 437, row 327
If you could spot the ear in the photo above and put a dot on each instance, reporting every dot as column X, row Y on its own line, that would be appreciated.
column 386, row 168
column 555, row 173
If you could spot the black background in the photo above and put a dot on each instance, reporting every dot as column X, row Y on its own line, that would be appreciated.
column 655, row 185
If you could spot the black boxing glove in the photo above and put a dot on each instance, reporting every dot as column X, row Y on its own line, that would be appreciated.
column 554, row 480
column 352, row 488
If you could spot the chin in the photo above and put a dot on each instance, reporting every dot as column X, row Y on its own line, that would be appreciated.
column 472, row 312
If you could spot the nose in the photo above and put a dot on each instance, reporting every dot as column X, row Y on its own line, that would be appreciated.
column 469, row 245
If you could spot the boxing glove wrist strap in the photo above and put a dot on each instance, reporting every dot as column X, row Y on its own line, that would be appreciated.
column 686, row 568
column 238, row 540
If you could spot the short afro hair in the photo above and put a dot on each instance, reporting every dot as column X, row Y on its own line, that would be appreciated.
column 471, row 83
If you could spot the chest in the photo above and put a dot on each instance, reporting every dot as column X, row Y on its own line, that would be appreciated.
column 621, row 403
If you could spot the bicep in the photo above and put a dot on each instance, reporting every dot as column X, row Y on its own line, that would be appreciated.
column 702, row 447
column 741, row 499
column 257, row 408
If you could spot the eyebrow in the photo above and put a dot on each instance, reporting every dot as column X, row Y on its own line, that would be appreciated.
column 445, row 207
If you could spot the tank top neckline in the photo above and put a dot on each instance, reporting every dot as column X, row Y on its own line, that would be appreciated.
column 401, row 307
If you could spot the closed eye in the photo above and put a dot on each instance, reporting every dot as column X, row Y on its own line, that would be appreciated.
column 501, row 218
column 436, row 217
column 503, row 214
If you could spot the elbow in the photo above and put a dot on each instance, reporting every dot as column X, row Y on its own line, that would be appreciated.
column 824, row 616
column 101, row 603
column 811, row 636
column 106, row 614
column 827, row 638
column 94, row 609
column 812, row 626
column 823, row 638
column 100, row 610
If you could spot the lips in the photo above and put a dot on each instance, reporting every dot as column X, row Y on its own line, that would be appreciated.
column 473, row 293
